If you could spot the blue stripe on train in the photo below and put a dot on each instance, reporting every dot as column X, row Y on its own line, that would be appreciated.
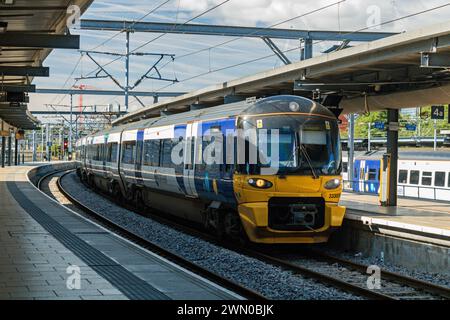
column 180, row 136
column 138, row 162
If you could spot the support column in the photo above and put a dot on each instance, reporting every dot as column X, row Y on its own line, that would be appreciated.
column 47, row 142
column 61, row 145
column 3, row 151
column 9, row 150
column 34, row 146
column 16, row 151
column 392, row 149
column 308, row 49
column 42, row 143
column 435, row 135
column 368, row 136
column 70, row 129
column 351, row 146
column 127, row 69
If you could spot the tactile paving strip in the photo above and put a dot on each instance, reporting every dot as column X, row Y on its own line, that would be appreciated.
column 129, row 284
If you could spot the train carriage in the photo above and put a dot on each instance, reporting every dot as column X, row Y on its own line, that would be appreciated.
column 421, row 174
column 165, row 163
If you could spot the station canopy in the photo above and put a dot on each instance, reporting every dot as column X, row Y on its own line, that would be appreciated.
column 405, row 70
column 29, row 30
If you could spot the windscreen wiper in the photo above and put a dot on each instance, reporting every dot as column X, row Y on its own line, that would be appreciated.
column 308, row 159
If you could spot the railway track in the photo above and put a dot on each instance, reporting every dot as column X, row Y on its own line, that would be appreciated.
column 110, row 225
column 333, row 271
column 352, row 276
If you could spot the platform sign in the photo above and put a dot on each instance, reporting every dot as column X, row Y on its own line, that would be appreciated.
column 410, row 127
column 4, row 133
column 437, row 112
column 379, row 125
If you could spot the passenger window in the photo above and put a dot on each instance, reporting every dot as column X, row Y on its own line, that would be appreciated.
column 448, row 183
column 166, row 160
column 403, row 176
column 128, row 152
column 113, row 157
column 344, row 167
column 426, row 178
column 414, row 177
column 439, row 179
column 151, row 153
column 372, row 174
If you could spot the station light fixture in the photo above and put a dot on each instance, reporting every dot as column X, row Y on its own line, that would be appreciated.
column 8, row 2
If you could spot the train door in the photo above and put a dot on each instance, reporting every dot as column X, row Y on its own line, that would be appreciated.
column 371, row 176
column 355, row 179
column 362, row 176
column 190, row 158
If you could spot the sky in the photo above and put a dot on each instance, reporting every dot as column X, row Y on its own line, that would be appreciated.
column 346, row 15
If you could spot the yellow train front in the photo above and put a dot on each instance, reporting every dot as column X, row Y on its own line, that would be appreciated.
column 293, row 200
column 267, row 169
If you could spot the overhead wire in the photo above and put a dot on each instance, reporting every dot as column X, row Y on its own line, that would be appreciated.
column 163, row 34
column 298, row 47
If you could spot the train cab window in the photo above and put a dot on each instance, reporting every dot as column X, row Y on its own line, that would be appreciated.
column 426, row 178
column 129, row 150
column 151, row 152
column 414, row 177
column 403, row 176
column 439, row 179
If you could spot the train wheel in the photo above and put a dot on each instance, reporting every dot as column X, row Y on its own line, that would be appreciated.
column 139, row 199
column 232, row 226
column 116, row 193
column 91, row 182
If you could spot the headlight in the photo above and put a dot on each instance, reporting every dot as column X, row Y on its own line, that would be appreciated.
column 259, row 183
column 332, row 184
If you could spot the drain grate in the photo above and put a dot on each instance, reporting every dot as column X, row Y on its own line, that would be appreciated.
column 129, row 284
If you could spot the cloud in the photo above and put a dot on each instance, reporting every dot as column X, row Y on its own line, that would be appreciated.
column 349, row 16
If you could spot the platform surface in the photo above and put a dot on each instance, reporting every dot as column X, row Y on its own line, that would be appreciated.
column 44, row 247
column 418, row 215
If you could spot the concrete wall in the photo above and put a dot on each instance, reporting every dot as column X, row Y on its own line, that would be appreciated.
column 414, row 254
column 36, row 173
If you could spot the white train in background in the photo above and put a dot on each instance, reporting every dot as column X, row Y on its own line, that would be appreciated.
column 421, row 174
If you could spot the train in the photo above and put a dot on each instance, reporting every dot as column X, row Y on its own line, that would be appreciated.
column 265, row 170
column 421, row 174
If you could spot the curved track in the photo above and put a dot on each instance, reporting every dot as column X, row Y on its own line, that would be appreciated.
column 66, row 198
column 337, row 272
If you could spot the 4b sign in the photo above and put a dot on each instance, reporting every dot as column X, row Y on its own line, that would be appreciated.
column 437, row 112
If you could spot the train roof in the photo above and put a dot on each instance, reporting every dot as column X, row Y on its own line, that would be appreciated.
column 406, row 155
column 276, row 104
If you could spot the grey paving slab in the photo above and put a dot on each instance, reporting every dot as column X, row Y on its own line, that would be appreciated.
column 35, row 260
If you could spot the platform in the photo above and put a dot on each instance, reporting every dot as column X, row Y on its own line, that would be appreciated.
column 419, row 217
column 44, row 246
